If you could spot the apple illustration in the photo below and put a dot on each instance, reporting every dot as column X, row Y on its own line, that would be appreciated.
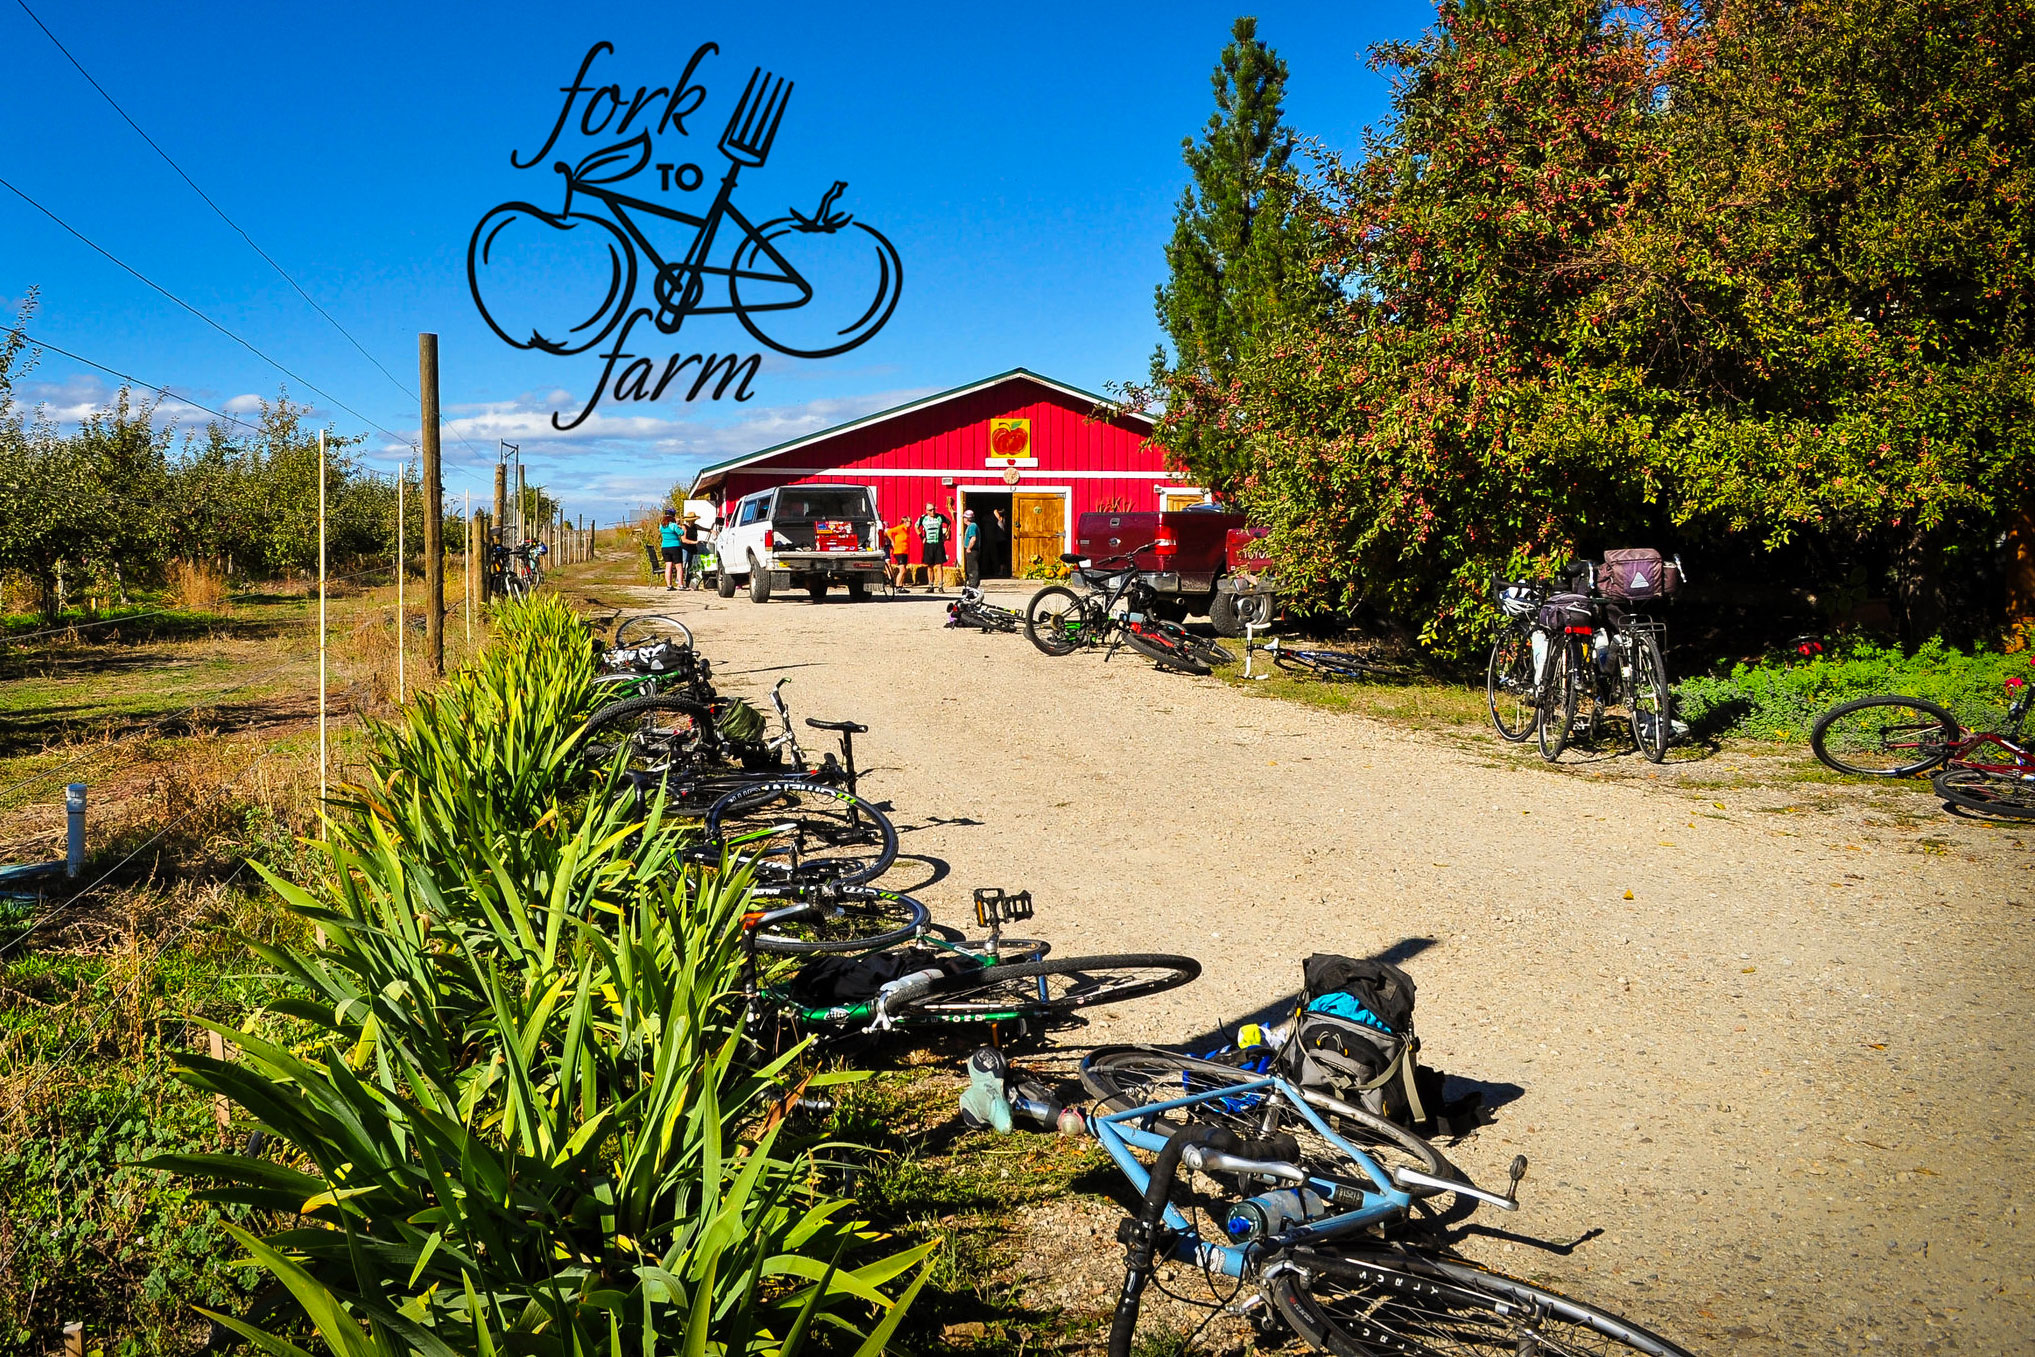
column 552, row 282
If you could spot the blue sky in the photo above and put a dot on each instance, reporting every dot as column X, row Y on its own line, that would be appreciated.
column 1023, row 160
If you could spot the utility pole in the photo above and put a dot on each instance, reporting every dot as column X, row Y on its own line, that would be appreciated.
column 402, row 569
column 495, row 523
column 322, row 747
column 434, row 507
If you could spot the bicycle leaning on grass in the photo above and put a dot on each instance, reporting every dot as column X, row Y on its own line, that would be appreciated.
column 1603, row 656
column 1301, row 1210
column 1988, row 772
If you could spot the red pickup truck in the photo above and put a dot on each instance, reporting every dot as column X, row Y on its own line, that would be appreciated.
column 1200, row 560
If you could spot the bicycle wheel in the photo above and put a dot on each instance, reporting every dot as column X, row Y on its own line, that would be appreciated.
column 2000, row 795
column 774, row 302
column 1209, row 652
column 1652, row 718
column 1057, row 620
column 1122, row 1077
column 1885, row 736
column 513, row 586
column 1508, row 685
column 1369, row 1300
column 1051, row 989
column 846, row 919
column 1164, row 648
column 663, row 733
column 1556, row 708
column 650, row 627
column 804, row 832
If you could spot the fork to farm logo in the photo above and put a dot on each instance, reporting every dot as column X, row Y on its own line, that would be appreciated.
column 611, row 256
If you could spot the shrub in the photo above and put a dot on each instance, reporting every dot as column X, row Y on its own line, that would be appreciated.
column 520, row 1108
column 1774, row 700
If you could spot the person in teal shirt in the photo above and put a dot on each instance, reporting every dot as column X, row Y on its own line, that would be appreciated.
column 971, row 548
column 670, row 538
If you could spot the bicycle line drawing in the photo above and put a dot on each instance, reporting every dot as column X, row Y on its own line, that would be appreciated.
column 761, row 283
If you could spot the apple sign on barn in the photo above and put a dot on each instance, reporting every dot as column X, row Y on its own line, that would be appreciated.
column 1025, row 452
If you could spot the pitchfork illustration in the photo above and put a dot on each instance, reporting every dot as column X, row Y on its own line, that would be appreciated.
column 766, row 291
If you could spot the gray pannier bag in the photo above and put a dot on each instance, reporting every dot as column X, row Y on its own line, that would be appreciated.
column 1353, row 1037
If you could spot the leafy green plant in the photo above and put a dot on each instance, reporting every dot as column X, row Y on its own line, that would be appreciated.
column 1780, row 700
column 521, row 1110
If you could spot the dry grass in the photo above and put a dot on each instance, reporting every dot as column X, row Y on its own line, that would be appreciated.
column 197, row 587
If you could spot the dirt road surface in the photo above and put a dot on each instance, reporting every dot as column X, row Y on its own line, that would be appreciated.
column 1767, row 1044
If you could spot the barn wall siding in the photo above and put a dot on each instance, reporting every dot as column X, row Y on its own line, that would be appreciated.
column 1101, row 463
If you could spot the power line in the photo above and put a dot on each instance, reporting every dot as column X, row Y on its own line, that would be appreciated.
column 158, row 287
column 128, row 377
column 237, row 230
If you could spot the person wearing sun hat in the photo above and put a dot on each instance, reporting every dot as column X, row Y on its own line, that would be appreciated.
column 690, row 542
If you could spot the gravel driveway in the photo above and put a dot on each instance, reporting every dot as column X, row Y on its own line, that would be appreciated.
column 1766, row 1044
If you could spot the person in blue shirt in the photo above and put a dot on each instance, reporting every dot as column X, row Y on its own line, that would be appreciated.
column 671, row 543
column 971, row 548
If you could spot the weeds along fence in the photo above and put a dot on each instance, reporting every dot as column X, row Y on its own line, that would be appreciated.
column 507, row 1102
column 98, row 977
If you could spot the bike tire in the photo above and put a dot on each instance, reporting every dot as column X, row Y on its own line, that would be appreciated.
column 1651, row 708
column 1057, row 621
column 643, row 621
column 1556, row 714
column 1165, row 650
column 890, row 286
column 1123, row 1077
column 1209, row 652
column 1508, row 685
column 828, row 833
column 514, row 587
column 1925, row 737
column 664, row 730
column 1369, row 1299
column 853, row 919
column 1053, row 989
column 1996, row 795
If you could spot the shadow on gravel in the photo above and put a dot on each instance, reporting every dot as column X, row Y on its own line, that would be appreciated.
column 937, row 870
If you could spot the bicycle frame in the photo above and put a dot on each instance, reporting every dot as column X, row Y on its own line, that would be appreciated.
column 1120, row 1136
column 690, row 273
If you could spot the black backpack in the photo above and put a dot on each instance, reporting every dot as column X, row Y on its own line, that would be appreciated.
column 1353, row 1037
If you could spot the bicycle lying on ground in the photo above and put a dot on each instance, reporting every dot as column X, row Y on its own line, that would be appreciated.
column 972, row 610
column 905, row 978
column 1907, row 736
column 1115, row 608
column 1298, row 1204
column 1335, row 666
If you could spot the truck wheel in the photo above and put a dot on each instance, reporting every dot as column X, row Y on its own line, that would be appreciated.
column 817, row 591
column 1229, row 613
column 857, row 591
column 759, row 583
column 724, row 584
column 1222, row 614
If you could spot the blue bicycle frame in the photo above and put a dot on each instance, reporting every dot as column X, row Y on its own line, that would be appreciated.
column 1119, row 1137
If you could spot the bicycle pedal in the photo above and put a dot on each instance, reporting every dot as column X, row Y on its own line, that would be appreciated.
column 994, row 905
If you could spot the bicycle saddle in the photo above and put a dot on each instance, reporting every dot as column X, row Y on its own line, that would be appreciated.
column 850, row 727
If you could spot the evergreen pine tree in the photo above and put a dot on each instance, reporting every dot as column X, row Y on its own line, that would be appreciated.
column 1241, row 259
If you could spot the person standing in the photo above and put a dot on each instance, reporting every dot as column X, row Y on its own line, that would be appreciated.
column 933, row 529
column 898, row 540
column 971, row 549
column 689, row 544
column 670, row 544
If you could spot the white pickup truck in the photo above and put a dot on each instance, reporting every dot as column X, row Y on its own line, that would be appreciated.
column 801, row 537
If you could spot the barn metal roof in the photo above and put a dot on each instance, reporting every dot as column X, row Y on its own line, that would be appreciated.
column 719, row 469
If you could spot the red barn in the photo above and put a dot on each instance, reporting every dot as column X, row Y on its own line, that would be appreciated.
column 1036, row 450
